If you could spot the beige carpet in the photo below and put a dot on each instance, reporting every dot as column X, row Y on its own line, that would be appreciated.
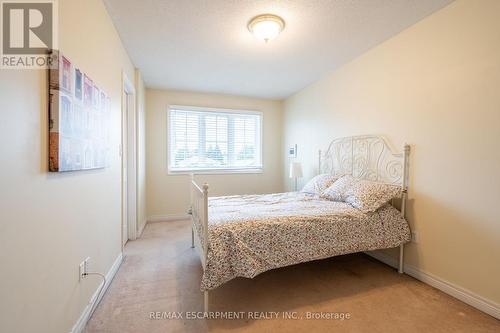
column 161, row 273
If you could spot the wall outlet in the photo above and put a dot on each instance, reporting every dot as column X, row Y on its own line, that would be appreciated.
column 83, row 268
column 81, row 271
column 414, row 237
column 292, row 151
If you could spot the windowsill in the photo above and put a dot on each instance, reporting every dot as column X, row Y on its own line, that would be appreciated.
column 216, row 171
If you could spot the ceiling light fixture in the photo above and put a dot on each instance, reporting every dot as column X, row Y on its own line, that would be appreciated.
column 266, row 27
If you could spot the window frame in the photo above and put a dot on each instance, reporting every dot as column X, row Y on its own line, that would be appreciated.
column 208, row 171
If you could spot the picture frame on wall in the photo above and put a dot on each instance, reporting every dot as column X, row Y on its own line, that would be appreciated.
column 79, row 119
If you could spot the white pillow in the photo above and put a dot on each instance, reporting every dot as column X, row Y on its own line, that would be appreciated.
column 362, row 194
column 336, row 192
column 319, row 183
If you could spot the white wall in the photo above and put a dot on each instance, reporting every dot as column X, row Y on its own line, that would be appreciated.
column 169, row 194
column 51, row 222
column 436, row 86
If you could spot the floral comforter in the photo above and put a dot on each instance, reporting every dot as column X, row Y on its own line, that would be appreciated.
column 251, row 234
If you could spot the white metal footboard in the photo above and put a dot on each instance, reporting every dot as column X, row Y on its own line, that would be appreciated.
column 199, row 227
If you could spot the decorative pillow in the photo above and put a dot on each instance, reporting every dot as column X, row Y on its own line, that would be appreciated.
column 319, row 183
column 369, row 196
column 336, row 192
column 362, row 194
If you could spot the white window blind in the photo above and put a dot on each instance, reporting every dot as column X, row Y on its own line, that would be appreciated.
column 207, row 139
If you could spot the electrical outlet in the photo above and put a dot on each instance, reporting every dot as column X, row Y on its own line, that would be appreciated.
column 87, row 264
column 414, row 237
column 81, row 270
column 84, row 268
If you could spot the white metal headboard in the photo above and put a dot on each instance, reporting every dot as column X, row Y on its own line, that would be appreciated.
column 368, row 157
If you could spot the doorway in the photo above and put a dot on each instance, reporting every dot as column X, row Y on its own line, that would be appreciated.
column 129, row 158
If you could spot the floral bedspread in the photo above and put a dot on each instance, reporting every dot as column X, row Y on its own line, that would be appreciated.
column 251, row 234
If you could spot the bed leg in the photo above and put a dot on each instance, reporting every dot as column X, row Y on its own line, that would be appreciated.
column 205, row 301
column 401, row 261
column 192, row 237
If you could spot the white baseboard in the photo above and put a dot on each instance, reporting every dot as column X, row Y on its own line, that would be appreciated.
column 86, row 314
column 168, row 218
column 466, row 296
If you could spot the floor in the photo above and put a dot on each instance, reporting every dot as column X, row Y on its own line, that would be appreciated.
column 161, row 273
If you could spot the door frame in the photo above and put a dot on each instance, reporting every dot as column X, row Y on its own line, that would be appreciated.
column 128, row 151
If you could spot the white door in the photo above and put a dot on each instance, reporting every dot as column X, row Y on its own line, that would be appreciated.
column 124, row 151
column 129, row 159
column 131, row 169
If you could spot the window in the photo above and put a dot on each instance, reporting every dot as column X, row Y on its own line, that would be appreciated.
column 202, row 139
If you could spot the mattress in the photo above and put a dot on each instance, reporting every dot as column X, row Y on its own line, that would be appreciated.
column 251, row 234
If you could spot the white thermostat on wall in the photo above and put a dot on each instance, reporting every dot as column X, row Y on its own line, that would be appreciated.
column 292, row 151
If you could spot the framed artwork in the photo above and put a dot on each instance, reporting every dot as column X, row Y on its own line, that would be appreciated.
column 79, row 115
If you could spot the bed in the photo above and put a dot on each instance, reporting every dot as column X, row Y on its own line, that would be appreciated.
column 245, row 235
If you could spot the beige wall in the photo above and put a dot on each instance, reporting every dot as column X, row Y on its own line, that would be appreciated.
column 169, row 194
column 436, row 86
column 51, row 222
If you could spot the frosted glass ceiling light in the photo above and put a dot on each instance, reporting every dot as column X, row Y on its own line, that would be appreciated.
column 266, row 27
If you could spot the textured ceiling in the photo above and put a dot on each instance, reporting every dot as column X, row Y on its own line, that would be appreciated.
column 204, row 45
